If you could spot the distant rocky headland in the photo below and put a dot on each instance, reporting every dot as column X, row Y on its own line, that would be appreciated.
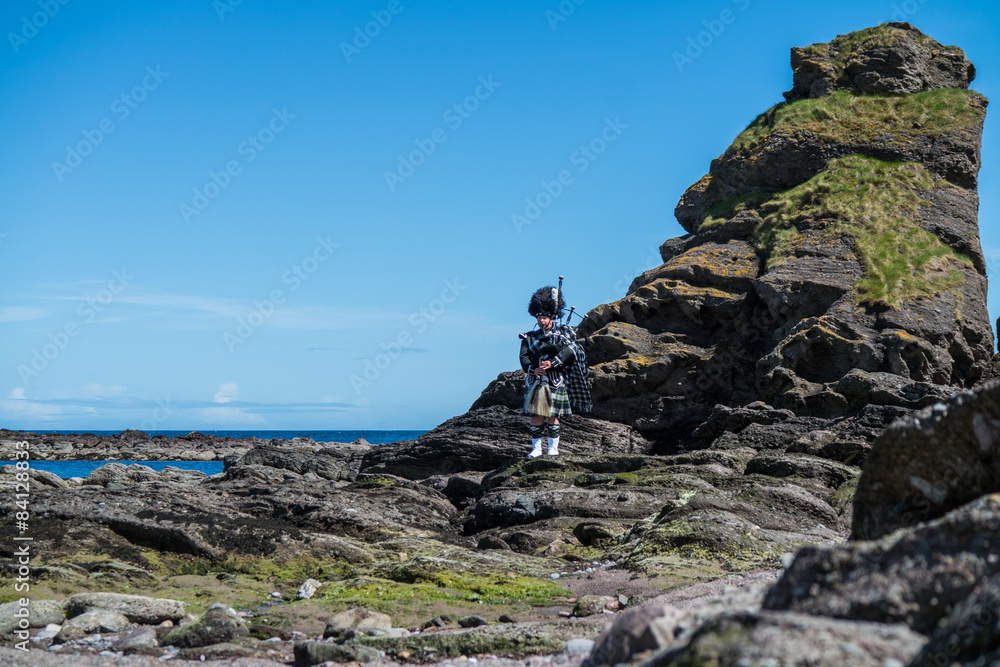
column 793, row 457
column 132, row 446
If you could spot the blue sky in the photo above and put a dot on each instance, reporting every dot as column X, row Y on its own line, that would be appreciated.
column 275, row 215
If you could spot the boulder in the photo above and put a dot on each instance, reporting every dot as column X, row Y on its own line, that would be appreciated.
column 646, row 628
column 764, row 638
column 341, row 462
column 915, row 576
column 137, row 608
column 219, row 624
column 308, row 589
column 40, row 614
column 588, row 605
column 39, row 478
column 968, row 635
column 315, row 653
column 472, row 621
column 95, row 620
column 141, row 639
column 359, row 620
column 119, row 473
column 932, row 462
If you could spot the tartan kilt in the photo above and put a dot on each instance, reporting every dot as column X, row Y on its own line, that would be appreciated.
column 560, row 396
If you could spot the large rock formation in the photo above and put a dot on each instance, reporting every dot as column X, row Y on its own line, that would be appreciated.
column 833, row 259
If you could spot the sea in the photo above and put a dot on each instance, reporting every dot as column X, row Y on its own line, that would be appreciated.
column 68, row 469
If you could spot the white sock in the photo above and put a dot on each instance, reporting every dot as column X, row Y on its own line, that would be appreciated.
column 553, row 446
column 536, row 448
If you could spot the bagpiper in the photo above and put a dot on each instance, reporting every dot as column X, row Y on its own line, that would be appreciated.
column 556, row 366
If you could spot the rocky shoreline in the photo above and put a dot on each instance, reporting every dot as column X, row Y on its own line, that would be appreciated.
column 539, row 551
column 132, row 446
column 791, row 458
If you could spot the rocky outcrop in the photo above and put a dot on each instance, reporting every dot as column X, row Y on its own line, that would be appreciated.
column 894, row 59
column 486, row 438
column 138, row 446
column 833, row 259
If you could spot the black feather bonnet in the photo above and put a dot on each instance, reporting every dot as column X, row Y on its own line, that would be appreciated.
column 546, row 301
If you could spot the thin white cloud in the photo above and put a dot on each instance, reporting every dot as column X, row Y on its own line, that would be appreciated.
column 16, row 407
column 226, row 393
column 188, row 311
column 231, row 417
column 21, row 314
column 94, row 390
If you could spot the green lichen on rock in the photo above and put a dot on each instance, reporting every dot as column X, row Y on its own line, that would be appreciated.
column 717, row 537
column 512, row 640
column 386, row 595
column 844, row 49
column 843, row 500
column 876, row 204
column 844, row 118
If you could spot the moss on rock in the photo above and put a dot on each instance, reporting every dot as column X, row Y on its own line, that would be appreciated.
column 875, row 203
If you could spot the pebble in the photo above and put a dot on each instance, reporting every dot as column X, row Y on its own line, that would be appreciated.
column 554, row 575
